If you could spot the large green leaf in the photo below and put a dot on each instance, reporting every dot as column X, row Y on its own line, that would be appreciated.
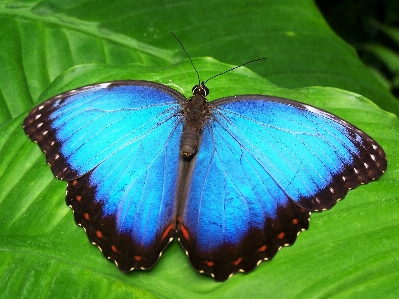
column 346, row 250
column 349, row 251
column 40, row 39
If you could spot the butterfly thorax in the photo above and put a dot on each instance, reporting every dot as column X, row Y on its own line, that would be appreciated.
column 195, row 112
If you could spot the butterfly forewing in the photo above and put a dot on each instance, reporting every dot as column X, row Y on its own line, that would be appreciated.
column 70, row 127
column 305, row 149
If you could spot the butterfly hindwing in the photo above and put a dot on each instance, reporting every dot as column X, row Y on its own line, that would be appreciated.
column 263, row 164
column 118, row 146
column 127, row 203
column 235, row 215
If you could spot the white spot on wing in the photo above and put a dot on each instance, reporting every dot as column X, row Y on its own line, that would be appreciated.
column 312, row 109
column 104, row 85
column 366, row 165
column 372, row 157
column 45, row 132
column 37, row 116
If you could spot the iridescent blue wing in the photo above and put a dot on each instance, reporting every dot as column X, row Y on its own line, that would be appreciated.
column 263, row 164
column 118, row 145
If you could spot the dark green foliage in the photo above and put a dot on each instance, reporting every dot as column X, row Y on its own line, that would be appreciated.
column 372, row 27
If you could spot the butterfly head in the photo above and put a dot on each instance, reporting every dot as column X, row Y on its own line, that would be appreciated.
column 201, row 90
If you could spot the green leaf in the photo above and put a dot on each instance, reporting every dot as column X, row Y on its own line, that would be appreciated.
column 388, row 56
column 41, row 39
column 44, row 251
column 381, row 77
column 349, row 251
column 390, row 31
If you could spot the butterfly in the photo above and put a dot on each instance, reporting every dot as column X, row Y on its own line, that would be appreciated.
column 234, row 179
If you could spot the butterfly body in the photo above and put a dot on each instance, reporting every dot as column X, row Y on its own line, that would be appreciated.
column 234, row 179
column 195, row 113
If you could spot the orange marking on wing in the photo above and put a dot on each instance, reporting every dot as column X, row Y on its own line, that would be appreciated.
column 137, row 258
column 295, row 221
column 78, row 198
column 99, row 234
column 281, row 235
column 74, row 183
column 236, row 262
column 185, row 232
column 86, row 215
column 114, row 249
column 262, row 249
column 209, row 263
column 167, row 230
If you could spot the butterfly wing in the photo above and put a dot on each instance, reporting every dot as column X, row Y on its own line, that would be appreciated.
column 263, row 164
column 118, row 146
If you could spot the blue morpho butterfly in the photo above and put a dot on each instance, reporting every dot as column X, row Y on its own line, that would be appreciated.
column 235, row 179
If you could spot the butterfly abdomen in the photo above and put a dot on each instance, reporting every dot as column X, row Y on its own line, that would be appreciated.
column 195, row 113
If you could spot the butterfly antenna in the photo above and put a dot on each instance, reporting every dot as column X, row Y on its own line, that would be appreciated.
column 236, row 67
column 181, row 44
